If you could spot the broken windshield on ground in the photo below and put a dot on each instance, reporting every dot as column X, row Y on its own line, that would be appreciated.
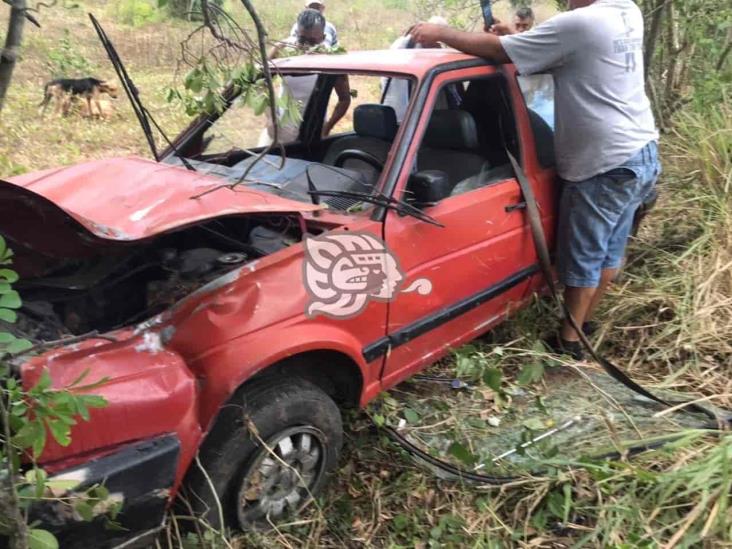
column 498, row 410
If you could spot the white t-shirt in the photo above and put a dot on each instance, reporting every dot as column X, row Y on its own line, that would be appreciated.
column 595, row 54
column 397, row 92
column 331, row 35
column 299, row 88
column 398, row 89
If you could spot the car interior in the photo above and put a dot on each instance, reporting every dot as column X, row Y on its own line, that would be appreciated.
column 463, row 148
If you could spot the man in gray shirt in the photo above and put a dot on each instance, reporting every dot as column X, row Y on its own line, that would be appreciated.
column 605, row 135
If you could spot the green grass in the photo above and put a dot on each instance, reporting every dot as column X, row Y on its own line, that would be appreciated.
column 674, row 303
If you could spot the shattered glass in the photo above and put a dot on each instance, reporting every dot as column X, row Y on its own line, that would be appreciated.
column 544, row 413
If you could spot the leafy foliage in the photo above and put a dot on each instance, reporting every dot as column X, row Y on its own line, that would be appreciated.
column 186, row 9
column 66, row 61
column 27, row 417
column 136, row 12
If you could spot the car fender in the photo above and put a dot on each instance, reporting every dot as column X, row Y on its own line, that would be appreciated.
column 228, row 367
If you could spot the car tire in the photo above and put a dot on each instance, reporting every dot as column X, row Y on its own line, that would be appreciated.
column 299, row 423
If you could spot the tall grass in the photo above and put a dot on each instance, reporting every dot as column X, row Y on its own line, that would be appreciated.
column 676, row 300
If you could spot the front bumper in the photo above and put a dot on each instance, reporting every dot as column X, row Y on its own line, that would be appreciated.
column 139, row 475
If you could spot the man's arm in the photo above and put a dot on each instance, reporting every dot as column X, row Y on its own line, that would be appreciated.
column 343, row 90
column 481, row 44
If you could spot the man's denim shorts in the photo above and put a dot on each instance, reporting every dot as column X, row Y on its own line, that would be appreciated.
column 596, row 217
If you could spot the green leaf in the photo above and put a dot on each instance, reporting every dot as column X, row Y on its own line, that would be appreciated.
column 94, row 401
column 5, row 287
column 40, row 477
column 44, row 383
column 60, row 431
column 8, row 315
column 534, row 423
column 28, row 434
column 460, row 452
column 492, row 378
column 40, row 442
column 18, row 346
column 400, row 522
column 101, row 492
column 379, row 420
column 10, row 300
column 162, row 3
column 258, row 103
column 194, row 80
column 411, row 416
column 41, row 539
column 531, row 373
column 79, row 379
column 62, row 485
column 85, row 510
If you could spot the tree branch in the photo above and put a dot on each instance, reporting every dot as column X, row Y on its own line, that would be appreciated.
column 266, row 71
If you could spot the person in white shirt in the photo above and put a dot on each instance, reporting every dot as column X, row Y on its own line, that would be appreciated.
column 310, row 34
column 396, row 91
column 606, row 137
column 331, row 35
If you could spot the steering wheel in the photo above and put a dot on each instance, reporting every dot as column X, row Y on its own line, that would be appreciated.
column 355, row 154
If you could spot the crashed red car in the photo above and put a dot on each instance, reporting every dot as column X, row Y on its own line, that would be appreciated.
column 233, row 322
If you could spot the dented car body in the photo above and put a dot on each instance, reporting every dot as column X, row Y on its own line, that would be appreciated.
column 184, row 293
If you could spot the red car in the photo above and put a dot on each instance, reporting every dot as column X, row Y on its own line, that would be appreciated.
column 233, row 322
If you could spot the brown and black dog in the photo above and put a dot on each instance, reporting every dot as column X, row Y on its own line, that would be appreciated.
column 64, row 90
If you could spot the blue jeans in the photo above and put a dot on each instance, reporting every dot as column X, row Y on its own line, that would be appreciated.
column 596, row 217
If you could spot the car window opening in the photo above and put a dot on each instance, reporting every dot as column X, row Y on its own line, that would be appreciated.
column 470, row 127
column 350, row 159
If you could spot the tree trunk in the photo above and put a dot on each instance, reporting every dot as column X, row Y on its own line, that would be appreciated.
column 9, row 54
column 657, row 12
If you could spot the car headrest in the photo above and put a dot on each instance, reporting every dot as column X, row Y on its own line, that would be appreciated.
column 451, row 129
column 374, row 120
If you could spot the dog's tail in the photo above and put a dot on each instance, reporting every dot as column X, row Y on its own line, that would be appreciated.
column 46, row 95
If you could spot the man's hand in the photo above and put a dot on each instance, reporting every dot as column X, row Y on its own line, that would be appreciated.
column 427, row 33
column 499, row 29
column 481, row 44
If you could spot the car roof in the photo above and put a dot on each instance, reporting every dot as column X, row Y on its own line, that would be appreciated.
column 415, row 62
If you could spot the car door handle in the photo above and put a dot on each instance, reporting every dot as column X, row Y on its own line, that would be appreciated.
column 514, row 207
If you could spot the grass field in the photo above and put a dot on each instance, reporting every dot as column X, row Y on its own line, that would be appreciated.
column 668, row 320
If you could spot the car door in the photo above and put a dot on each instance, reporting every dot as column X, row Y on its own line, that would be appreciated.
column 478, row 264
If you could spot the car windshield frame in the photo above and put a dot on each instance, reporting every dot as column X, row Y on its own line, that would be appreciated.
column 313, row 119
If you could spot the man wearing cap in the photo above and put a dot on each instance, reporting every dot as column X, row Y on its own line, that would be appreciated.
column 331, row 36
column 310, row 34
column 605, row 137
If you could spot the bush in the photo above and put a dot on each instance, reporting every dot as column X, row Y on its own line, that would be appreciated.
column 136, row 12
column 65, row 61
column 187, row 9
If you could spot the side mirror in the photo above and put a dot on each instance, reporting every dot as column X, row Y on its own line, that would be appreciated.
column 428, row 187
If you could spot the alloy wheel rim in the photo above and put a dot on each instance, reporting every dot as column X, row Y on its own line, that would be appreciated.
column 280, row 484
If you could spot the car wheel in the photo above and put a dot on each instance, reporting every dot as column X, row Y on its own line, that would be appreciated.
column 272, row 449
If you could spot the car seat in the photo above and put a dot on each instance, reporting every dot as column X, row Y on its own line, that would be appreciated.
column 375, row 127
column 451, row 145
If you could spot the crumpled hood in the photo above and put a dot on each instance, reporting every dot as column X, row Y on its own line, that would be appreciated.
column 133, row 198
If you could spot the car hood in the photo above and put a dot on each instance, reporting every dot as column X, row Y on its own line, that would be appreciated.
column 134, row 198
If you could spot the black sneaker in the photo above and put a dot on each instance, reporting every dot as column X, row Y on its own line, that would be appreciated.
column 560, row 346
column 590, row 327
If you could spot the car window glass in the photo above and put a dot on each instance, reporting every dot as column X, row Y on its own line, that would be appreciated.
column 246, row 125
column 394, row 92
column 538, row 92
column 468, row 131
